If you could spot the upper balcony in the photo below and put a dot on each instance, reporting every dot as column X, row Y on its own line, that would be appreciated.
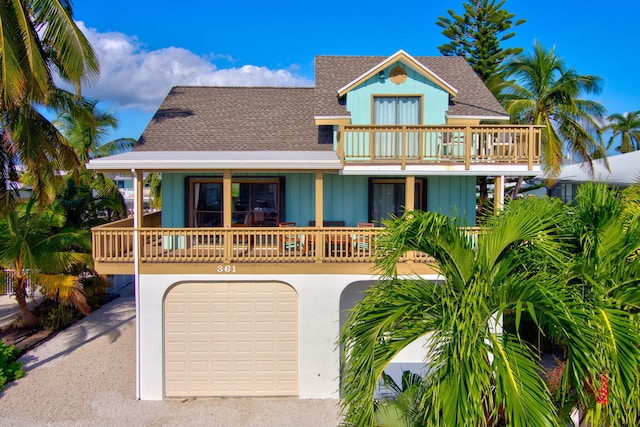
column 448, row 145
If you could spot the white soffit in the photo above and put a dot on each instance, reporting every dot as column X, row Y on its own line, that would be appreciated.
column 216, row 160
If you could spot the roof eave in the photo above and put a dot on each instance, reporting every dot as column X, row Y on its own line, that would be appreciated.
column 400, row 55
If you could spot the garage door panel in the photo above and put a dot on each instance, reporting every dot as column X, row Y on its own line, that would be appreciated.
column 231, row 339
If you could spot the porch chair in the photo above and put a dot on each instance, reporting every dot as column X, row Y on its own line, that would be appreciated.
column 362, row 242
column 292, row 241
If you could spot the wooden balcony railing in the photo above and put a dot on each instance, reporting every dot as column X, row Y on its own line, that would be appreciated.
column 422, row 144
column 237, row 245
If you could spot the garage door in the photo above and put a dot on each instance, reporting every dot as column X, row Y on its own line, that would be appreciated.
column 231, row 339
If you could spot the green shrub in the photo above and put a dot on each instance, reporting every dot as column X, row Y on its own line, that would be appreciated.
column 95, row 290
column 10, row 368
column 59, row 317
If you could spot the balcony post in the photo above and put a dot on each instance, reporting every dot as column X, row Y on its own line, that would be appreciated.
column 227, row 199
column 410, row 193
column 403, row 148
column 467, row 148
column 530, row 148
column 340, row 150
column 498, row 194
column 319, row 185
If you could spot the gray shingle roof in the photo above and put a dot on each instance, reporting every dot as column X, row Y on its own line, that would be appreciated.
column 623, row 171
column 473, row 98
column 196, row 118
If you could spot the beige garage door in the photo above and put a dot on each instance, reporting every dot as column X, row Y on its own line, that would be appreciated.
column 231, row 339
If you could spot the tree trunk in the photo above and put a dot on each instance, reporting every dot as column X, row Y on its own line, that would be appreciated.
column 516, row 189
column 20, row 290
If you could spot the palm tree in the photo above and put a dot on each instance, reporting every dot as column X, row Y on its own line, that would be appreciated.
column 545, row 92
column 604, row 279
column 626, row 127
column 574, row 270
column 476, row 374
column 38, row 39
column 37, row 251
column 86, row 129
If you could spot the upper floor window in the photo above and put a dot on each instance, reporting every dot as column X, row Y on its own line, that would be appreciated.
column 396, row 110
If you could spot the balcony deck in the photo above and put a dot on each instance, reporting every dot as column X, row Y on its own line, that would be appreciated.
column 426, row 144
column 256, row 250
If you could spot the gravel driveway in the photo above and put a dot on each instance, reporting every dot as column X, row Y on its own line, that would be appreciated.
column 86, row 376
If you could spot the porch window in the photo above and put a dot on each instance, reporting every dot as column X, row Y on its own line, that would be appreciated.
column 206, row 204
column 387, row 198
column 256, row 203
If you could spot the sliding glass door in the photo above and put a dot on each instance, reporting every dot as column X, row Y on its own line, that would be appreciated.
column 396, row 110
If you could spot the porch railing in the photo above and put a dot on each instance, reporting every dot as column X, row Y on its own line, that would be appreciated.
column 423, row 144
column 237, row 245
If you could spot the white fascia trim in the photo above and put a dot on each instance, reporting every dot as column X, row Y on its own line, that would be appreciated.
column 442, row 170
column 199, row 160
column 504, row 118
column 393, row 58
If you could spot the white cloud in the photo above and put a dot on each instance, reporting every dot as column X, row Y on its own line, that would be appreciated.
column 131, row 77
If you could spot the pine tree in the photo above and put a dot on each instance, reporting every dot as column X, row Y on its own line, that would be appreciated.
column 477, row 36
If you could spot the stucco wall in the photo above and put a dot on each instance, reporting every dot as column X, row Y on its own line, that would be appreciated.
column 320, row 299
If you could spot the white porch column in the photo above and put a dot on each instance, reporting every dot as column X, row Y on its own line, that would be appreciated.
column 138, row 212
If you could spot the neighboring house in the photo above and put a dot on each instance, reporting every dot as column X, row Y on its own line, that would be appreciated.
column 619, row 171
column 264, row 241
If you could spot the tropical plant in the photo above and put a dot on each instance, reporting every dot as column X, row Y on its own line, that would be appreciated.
column 604, row 279
column 38, row 251
column 545, row 92
column 86, row 129
column 10, row 367
column 39, row 39
column 477, row 375
column 154, row 181
column 402, row 409
column 625, row 127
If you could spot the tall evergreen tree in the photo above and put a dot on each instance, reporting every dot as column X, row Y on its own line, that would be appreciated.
column 477, row 35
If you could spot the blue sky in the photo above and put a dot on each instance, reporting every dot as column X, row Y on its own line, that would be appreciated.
column 145, row 47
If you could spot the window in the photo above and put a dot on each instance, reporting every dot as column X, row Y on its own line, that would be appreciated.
column 387, row 198
column 256, row 203
column 396, row 110
column 206, row 204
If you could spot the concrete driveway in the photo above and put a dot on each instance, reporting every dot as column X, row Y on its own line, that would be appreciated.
column 86, row 376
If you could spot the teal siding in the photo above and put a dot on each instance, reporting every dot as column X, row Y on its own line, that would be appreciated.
column 345, row 197
column 453, row 196
column 173, row 200
column 300, row 198
column 435, row 101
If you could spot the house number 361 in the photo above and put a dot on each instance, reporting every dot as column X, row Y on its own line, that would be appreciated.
column 226, row 269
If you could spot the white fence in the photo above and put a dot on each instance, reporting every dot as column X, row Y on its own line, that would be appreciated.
column 5, row 283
